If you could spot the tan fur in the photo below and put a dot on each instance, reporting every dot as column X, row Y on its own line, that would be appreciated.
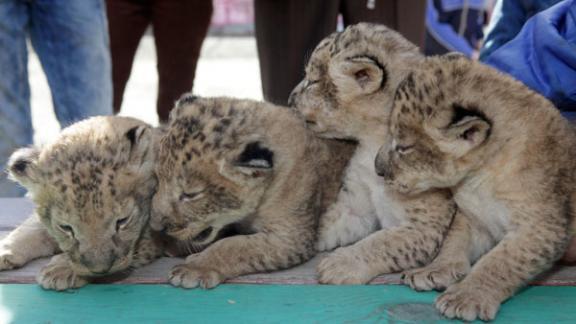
column 92, row 188
column 509, row 158
column 347, row 94
column 228, row 164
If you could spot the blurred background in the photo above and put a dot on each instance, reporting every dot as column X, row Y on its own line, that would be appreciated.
column 136, row 57
column 228, row 66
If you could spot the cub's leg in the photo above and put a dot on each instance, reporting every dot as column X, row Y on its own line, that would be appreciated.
column 452, row 262
column 58, row 275
column 523, row 253
column 238, row 255
column 345, row 222
column 27, row 242
column 412, row 244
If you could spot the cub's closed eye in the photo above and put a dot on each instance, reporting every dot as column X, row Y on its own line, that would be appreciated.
column 190, row 196
column 310, row 83
column 67, row 229
column 403, row 149
column 122, row 223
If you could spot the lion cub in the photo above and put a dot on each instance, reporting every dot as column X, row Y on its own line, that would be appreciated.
column 242, row 165
column 92, row 188
column 509, row 158
column 347, row 94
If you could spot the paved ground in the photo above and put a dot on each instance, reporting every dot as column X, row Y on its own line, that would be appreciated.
column 228, row 66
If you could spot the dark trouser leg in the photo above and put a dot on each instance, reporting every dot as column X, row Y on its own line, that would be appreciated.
column 127, row 21
column 355, row 11
column 404, row 16
column 411, row 21
column 180, row 27
column 287, row 32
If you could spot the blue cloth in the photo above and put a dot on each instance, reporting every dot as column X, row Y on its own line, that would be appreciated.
column 71, row 40
column 453, row 26
column 543, row 55
column 508, row 18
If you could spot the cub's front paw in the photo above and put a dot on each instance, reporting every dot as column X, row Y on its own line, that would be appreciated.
column 58, row 277
column 191, row 276
column 436, row 276
column 331, row 237
column 468, row 302
column 10, row 260
column 341, row 267
column 326, row 243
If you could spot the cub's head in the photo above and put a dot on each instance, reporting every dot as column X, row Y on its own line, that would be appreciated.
column 351, row 78
column 441, row 123
column 92, row 188
column 213, row 168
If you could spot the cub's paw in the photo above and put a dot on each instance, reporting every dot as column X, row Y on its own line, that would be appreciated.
column 10, row 260
column 468, row 302
column 436, row 276
column 58, row 277
column 341, row 267
column 191, row 276
column 326, row 243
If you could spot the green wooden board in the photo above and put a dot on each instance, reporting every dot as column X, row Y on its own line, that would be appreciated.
column 231, row 303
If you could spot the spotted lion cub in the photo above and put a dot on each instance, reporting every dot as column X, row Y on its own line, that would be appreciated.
column 92, row 188
column 509, row 158
column 248, row 165
column 347, row 94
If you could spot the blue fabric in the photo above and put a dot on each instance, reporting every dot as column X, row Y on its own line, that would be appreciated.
column 443, row 18
column 507, row 20
column 71, row 40
column 451, row 5
column 543, row 55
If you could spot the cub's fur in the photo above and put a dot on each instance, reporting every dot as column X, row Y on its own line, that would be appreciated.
column 509, row 158
column 92, row 188
column 347, row 94
column 250, row 166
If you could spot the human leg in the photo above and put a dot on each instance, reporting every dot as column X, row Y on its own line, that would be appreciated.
column 15, row 118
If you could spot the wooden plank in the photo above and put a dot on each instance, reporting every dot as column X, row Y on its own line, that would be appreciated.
column 13, row 211
column 157, row 272
column 305, row 274
column 261, row 304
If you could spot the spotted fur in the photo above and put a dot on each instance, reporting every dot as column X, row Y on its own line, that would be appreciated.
column 243, row 164
column 92, row 188
column 347, row 93
column 509, row 159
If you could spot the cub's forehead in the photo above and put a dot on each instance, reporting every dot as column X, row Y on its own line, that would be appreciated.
column 97, row 138
column 204, row 129
column 362, row 39
column 207, row 125
column 85, row 179
column 87, row 156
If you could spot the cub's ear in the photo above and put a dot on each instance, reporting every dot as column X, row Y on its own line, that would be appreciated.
column 23, row 167
column 142, row 141
column 185, row 99
column 359, row 75
column 467, row 130
column 255, row 160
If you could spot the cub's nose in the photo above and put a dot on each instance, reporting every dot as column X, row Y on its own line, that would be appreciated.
column 383, row 169
column 99, row 263
column 292, row 100
column 385, row 173
column 157, row 223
